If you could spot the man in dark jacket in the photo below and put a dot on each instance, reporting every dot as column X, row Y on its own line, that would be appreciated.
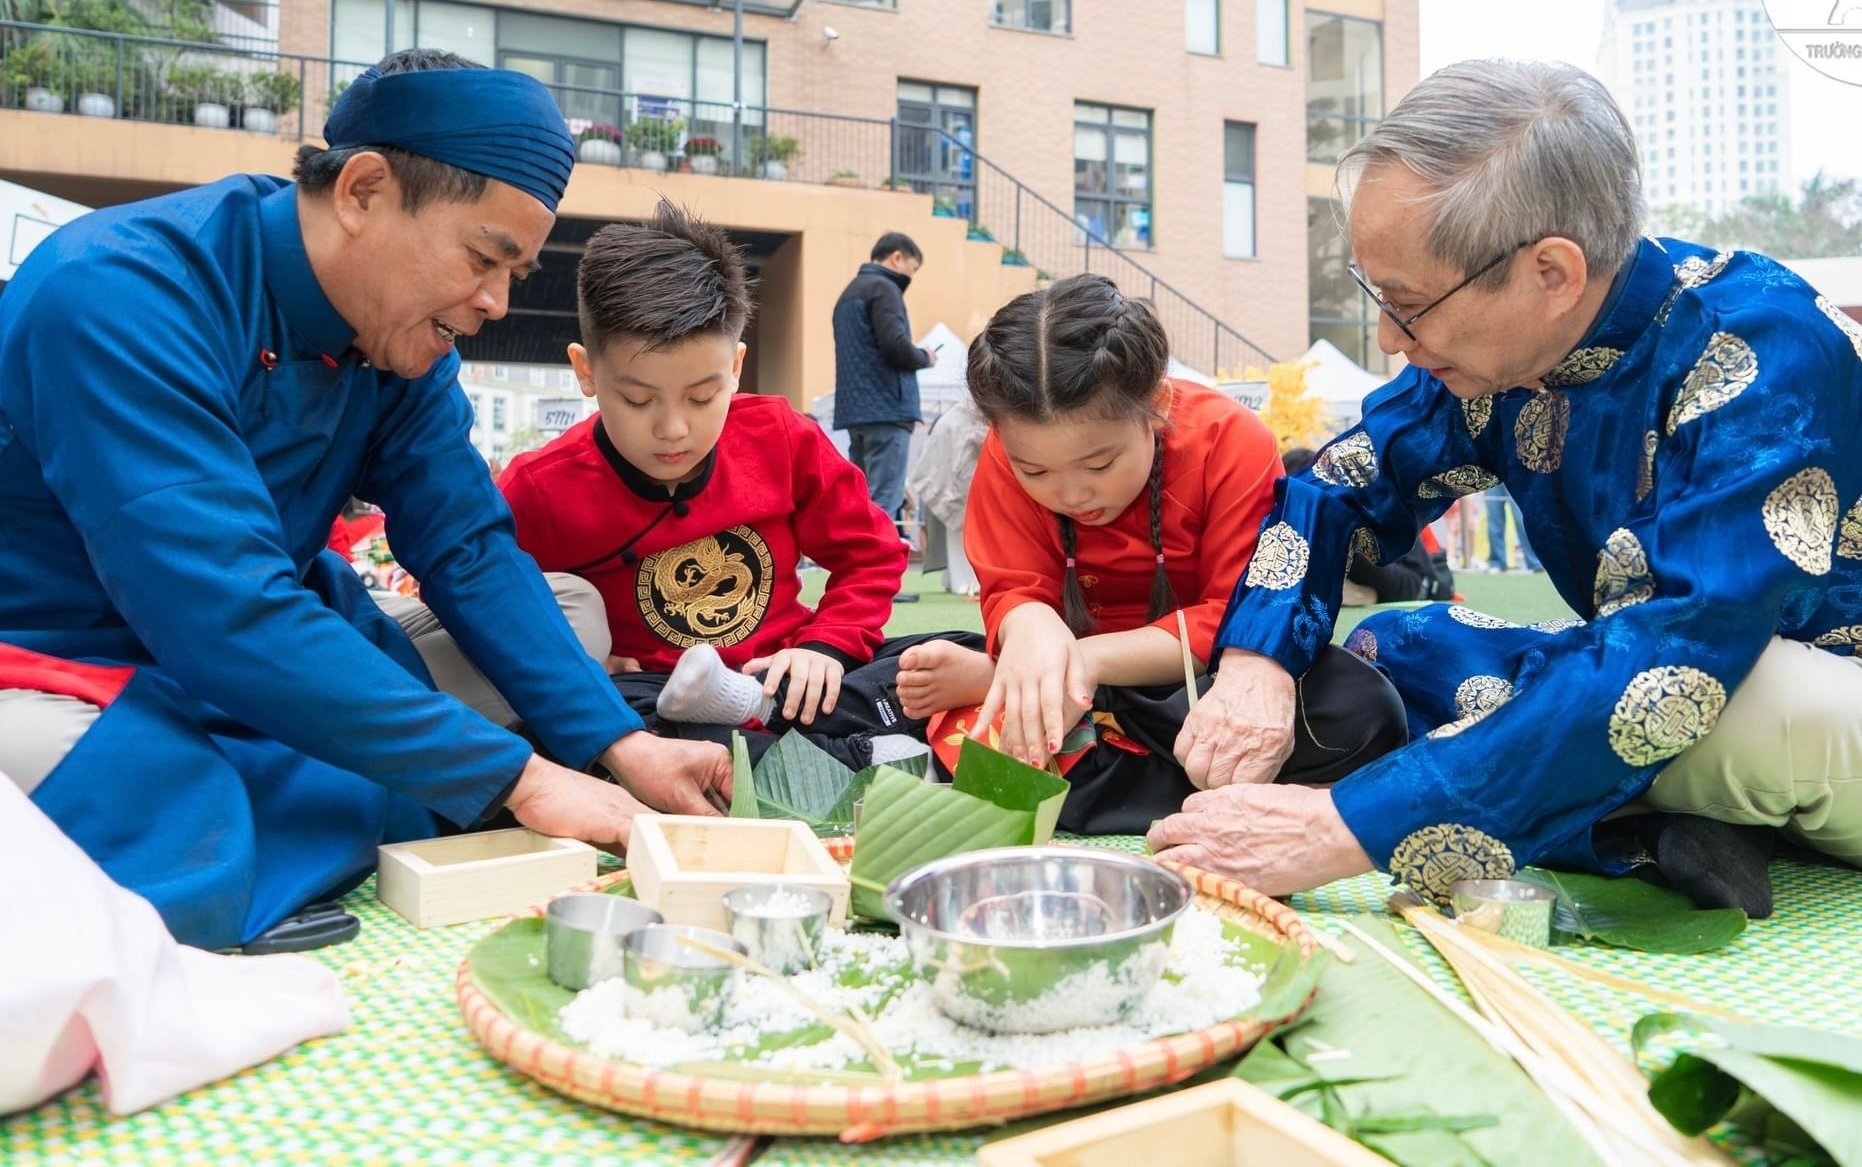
column 876, row 368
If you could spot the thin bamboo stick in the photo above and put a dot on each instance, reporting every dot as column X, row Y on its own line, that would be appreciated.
column 1189, row 662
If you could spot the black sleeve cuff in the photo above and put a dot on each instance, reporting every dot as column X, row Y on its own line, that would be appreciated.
column 847, row 660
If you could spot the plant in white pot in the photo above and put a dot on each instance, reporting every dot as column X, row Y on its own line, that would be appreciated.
column 703, row 154
column 268, row 95
column 32, row 72
column 600, row 144
column 773, row 155
column 209, row 92
column 653, row 139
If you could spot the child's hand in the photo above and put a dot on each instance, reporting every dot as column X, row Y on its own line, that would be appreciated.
column 1043, row 683
column 814, row 681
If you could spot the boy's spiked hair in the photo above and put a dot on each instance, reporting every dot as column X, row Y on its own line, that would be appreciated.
column 662, row 281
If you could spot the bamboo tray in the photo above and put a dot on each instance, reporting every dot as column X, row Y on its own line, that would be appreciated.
column 861, row 1113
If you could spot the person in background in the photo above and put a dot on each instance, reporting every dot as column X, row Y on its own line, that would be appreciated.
column 1499, row 502
column 1420, row 574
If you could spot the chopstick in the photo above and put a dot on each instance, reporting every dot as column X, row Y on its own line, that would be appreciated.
column 1189, row 662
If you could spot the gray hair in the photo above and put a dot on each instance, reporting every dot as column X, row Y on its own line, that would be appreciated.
column 1514, row 151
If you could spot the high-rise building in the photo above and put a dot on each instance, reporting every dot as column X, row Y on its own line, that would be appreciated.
column 1704, row 84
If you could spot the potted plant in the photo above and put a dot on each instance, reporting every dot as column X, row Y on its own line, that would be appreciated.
column 31, row 70
column 844, row 178
column 600, row 144
column 94, row 76
column 653, row 139
column 210, row 92
column 895, row 183
column 269, row 94
column 703, row 153
column 944, row 206
column 773, row 155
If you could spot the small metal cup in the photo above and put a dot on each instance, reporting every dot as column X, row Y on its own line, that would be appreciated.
column 673, row 986
column 583, row 934
column 780, row 924
column 1512, row 908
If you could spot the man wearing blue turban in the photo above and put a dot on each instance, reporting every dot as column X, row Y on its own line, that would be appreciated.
column 190, row 389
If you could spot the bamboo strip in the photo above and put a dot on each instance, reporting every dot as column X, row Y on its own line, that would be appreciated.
column 1189, row 662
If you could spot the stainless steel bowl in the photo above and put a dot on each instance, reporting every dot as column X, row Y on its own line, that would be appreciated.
column 1512, row 908
column 1036, row 939
column 780, row 924
column 675, row 986
column 583, row 934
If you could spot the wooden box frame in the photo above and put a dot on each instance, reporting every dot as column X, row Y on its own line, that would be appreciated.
column 683, row 865
column 433, row 882
column 1223, row 1124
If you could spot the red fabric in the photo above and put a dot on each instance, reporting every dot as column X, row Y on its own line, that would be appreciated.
column 1220, row 465
column 22, row 668
column 341, row 541
column 1429, row 542
column 778, row 491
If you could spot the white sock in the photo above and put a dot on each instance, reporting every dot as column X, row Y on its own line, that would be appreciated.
column 896, row 747
column 702, row 691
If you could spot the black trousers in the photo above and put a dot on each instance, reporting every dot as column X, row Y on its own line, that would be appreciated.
column 868, row 705
column 1416, row 576
column 1346, row 714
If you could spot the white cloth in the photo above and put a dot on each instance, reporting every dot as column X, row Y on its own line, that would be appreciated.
column 90, row 979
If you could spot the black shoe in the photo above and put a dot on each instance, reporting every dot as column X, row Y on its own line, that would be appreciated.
column 905, row 598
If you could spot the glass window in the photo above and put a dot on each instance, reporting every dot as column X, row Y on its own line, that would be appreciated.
column 1112, row 174
column 1344, row 82
column 936, row 144
column 1338, row 311
column 1270, row 32
column 465, row 29
column 1041, row 15
column 1202, row 26
column 358, row 31
column 1238, row 190
column 498, row 406
column 554, row 36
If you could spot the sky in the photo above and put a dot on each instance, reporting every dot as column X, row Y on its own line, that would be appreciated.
column 1824, row 112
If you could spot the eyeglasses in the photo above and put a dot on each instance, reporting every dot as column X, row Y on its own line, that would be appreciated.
column 1404, row 323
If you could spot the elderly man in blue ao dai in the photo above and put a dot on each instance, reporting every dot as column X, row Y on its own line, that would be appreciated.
column 1682, row 429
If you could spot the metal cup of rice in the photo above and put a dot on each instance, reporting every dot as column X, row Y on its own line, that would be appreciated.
column 1039, row 939
column 675, row 986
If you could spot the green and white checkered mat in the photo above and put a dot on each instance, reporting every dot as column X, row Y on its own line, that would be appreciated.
column 407, row 1084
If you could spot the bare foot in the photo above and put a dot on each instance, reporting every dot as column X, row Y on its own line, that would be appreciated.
column 939, row 675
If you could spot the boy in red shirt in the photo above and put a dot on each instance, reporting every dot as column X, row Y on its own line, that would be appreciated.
column 690, row 507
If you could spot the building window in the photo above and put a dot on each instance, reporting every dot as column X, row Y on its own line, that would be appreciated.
column 1344, row 82
column 1039, row 15
column 937, row 134
column 1112, row 174
column 1271, row 31
column 498, row 419
column 1338, row 309
column 1238, row 190
column 1202, row 26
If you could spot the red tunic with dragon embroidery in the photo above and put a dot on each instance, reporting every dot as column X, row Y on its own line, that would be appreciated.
column 716, row 559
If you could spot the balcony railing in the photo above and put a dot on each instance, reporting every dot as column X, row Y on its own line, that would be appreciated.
column 152, row 79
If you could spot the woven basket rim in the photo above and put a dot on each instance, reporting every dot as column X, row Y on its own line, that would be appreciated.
column 860, row 1113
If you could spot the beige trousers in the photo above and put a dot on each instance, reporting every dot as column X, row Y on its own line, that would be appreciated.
column 38, row 729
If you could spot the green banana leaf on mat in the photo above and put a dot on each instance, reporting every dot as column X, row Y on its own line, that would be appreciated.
column 1798, row 1090
column 796, row 779
column 1628, row 912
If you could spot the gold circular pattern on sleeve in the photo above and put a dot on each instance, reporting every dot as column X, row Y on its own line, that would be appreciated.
column 1362, row 643
column 1624, row 577
column 1662, row 712
column 1459, row 482
column 1801, row 518
column 1480, row 695
column 1849, row 637
column 1844, row 321
column 1473, row 619
column 1364, row 546
column 1645, row 478
column 1723, row 372
column 1539, row 433
column 1695, row 271
column 1280, row 559
column 1434, row 858
column 1350, row 461
column 1849, row 535
column 1478, row 411
column 1582, row 367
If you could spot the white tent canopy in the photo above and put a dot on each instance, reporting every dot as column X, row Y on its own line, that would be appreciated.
column 27, row 216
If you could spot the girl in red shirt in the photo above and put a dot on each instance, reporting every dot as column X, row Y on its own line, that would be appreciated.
column 1108, row 499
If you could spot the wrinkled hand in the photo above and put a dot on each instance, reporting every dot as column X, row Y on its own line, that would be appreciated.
column 814, row 681
column 1241, row 731
column 1043, row 683
column 678, row 777
column 1276, row 839
column 560, row 802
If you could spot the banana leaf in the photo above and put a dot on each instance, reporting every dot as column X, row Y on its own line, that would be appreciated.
column 743, row 788
column 1632, row 913
column 1383, row 1061
column 995, row 801
column 1800, row 1090
column 796, row 779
